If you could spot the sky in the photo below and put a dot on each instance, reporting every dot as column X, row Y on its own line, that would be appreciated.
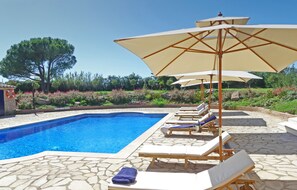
column 93, row 25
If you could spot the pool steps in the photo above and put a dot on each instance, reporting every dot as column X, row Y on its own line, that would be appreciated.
column 290, row 125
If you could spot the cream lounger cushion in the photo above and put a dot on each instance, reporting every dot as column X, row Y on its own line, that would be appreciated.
column 190, row 122
column 198, row 112
column 184, row 150
column 200, row 106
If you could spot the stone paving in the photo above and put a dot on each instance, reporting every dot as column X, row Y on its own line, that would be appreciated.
column 273, row 150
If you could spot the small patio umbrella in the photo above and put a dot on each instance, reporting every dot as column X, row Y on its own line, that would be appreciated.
column 191, row 82
column 190, row 79
column 219, row 44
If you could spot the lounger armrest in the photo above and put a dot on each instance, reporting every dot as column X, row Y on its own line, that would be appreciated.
column 229, row 152
column 245, row 181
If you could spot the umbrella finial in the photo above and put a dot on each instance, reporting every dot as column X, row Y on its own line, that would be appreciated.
column 220, row 14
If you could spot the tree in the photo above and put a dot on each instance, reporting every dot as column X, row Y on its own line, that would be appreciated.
column 38, row 59
column 133, row 83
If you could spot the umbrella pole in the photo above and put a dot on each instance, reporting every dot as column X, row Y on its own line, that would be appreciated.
column 220, row 54
column 210, row 92
column 202, row 90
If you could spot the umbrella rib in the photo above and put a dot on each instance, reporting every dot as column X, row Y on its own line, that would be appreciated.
column 174, row 44
column 251, row 47
column 253, row 52
column 213, row 23
column 200, row 51
column 183, row 53
column 203, row 42
column 178, row 78
column 193, row 50
column 245, row 39
column 260, row 38
column 187, row 83
column 242, row 79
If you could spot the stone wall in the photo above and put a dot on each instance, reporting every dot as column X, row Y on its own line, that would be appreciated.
column 9, row 104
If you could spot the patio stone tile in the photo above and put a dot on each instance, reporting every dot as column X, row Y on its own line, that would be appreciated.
column 7, row 180
column 79, row 185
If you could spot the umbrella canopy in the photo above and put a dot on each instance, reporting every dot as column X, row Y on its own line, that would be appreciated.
column 263, row 48
column 240, row 76
column 225, row 20
column 191, row 82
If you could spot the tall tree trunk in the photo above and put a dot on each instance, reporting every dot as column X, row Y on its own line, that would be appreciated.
column 43, row 88
column 42, row 77
column 48, row 78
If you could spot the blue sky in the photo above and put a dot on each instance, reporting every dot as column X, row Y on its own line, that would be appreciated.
column 92, row 25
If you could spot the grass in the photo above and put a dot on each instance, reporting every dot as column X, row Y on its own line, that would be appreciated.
column 257, row 90
column 288, row 106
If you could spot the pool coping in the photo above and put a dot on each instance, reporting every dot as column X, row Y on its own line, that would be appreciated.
column 123, row 153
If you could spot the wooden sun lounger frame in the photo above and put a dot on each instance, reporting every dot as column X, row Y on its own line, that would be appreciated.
column 207, row 127
column 227, row 153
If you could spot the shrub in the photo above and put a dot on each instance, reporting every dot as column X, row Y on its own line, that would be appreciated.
column 183, row 96
column 160, row 102
column 25, row 105
column 24, row 100
column 107, row 103
column 229, row 105
column 119, row 97
column 227, row 95
column 93, row 99
column 269, row 94
column 148, row 97
column 61, row 99
column 138, row 95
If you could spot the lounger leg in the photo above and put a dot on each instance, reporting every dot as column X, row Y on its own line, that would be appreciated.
column 186, row 163
column 153, row 161
column 246, row 184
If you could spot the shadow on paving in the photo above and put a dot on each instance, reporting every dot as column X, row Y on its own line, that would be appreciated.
column 273, row 184
column 193, row 136
column 7, row 116
column 236, row 113
column 265, row 143
column 278, row 184
column 258, row 122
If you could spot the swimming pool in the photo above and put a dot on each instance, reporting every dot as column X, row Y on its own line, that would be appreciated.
column 96, row 133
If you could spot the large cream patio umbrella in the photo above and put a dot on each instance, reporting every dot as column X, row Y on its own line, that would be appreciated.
column 220, row 45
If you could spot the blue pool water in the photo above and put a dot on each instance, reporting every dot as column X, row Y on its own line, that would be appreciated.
column 98, row 133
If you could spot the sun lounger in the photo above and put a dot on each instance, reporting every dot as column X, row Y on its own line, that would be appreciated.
column 206, row 123
column 196, row 114
column 193, row 114
column 196, row 108
column 222, row 176
column 188, row 152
